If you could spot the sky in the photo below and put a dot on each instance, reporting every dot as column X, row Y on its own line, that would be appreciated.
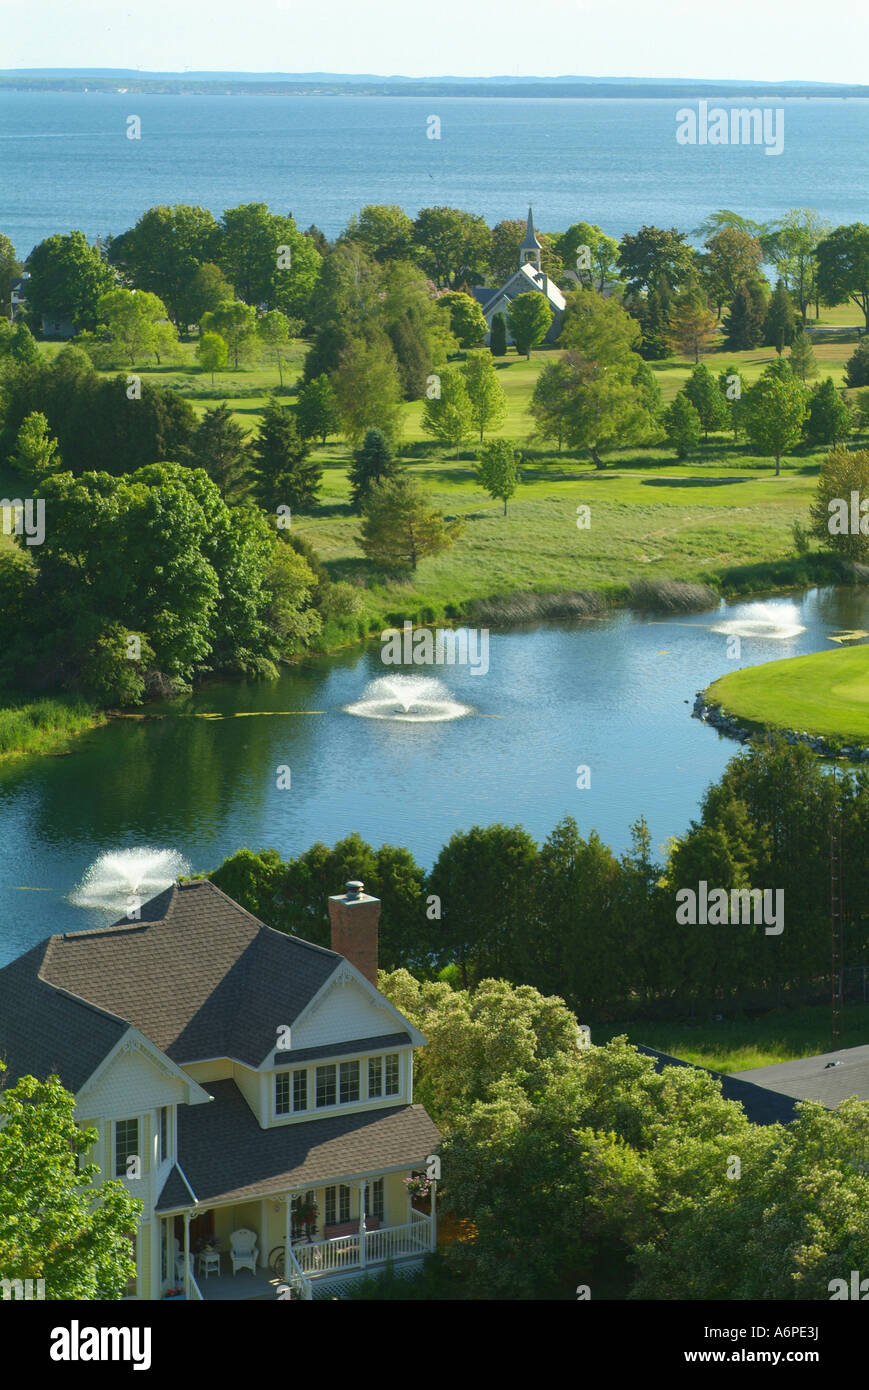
column 760, row 40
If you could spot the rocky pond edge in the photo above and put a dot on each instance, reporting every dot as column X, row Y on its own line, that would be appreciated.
column 712, row 713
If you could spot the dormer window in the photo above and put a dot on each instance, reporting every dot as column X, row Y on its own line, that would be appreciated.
column 305, row 1090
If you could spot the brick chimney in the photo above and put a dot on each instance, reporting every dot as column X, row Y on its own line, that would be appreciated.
column 354, row 916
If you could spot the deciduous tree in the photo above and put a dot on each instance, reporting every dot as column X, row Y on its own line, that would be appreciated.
column 529, row 318
column 497, row 470
column 487, row 397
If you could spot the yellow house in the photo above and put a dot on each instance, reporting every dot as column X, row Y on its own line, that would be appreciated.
column 253, row 1089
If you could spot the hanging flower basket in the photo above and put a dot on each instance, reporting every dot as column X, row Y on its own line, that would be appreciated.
column 419, row 1191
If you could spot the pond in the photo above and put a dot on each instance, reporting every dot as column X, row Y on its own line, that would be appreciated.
column 284, row 764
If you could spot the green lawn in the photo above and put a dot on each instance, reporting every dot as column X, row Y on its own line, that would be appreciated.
column 739, row 1044
column 719, row 517
column 826, row 693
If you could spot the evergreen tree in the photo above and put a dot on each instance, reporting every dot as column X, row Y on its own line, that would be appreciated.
column 399, row 528
column 857, row 366
column 372, row 461
column 779, row 325
column 219, row 445
column 410, row 345
column 285, row 474
column 682, row 424
column 23, row 345
column 829, row 420
column 743, row 326
column 732, row 386
column 317, row 413
column 498, row 336
column 656, row 326
column 802, row 358
column 703, row 392
column 693, row 325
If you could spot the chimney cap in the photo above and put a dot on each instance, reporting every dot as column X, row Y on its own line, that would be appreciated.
column 355, row 888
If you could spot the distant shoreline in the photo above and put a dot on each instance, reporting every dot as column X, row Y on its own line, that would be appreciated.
column 527, row 89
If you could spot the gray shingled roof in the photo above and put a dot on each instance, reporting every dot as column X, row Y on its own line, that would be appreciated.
column 813, row 1078
column 227, row 1157
column 762, row 1105
column 483, row 294
column 44, row 1031
column 341, row 1049
column 199, row 975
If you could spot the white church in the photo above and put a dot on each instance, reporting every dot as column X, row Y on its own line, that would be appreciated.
column 529, row 276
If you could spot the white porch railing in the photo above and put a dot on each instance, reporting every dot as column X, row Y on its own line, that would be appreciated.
column 296, row 1279
column 344, row 1252
column 394, row 1242
column 195, row 1291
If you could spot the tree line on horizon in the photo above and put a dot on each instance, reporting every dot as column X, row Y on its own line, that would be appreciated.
column 571, row 918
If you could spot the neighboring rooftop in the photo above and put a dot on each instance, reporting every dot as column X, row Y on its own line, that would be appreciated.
column 762, row 1104
column 830, row 1077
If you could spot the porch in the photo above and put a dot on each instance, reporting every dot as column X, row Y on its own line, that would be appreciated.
column 296, row 1248
column 324, row 1267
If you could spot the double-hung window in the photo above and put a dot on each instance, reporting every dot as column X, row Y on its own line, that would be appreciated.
column 291, row 1091
column 384, row 1076
column 326, row 1085
column 282, row 1093
column 126, row 1144
column 349, row 1082
column 391, row 1074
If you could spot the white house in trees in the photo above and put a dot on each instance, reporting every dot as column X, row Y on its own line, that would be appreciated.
column 529, row 276
column 254, row 1090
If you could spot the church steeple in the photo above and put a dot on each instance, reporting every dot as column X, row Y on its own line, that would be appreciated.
column 529, row 251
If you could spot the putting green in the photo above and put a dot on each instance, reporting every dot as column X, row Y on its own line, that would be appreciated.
column 826, row 693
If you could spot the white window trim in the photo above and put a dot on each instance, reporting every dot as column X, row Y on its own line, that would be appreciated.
column 313, row 1109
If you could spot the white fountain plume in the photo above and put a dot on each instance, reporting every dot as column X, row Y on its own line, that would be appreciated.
column 778, row 621
column 119, row 876
column 409, row 699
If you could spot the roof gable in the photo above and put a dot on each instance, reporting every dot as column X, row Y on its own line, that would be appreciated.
column 197, row 974
column 348, row 1006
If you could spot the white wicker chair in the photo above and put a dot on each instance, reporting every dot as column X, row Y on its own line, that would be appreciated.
column 243, row 1250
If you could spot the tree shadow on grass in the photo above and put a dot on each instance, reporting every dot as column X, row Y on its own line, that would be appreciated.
column 693, row 482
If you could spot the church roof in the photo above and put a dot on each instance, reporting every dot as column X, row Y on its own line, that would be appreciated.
column 542, row 282
column 530, row 242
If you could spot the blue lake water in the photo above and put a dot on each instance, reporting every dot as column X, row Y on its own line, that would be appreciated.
column 613, row 695
column 65, row 160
